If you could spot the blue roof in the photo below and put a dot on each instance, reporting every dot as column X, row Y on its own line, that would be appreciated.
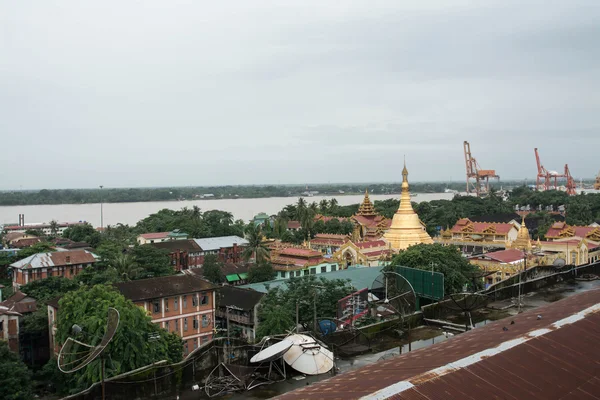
column 360, row 278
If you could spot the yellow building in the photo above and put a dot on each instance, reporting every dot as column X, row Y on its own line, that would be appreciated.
column 406, row 229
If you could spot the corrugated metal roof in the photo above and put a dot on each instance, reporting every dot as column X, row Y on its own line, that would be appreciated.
column 216, row 243
column 555, row 357
column 55, row 259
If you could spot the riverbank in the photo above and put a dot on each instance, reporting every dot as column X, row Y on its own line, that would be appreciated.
column 131, row 213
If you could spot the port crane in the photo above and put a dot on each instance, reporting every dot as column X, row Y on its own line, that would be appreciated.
column 478, row 180
column 547, row 180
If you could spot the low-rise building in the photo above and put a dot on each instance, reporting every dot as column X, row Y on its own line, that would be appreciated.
column 291, row 262
column 46, row 229
column 43, row 265
column 235, row 274
column 9, row 327
column 328, row 243
column 372, row 253
column 183, row 304
column 155, row 237
column 239, row 308
column 228, row 249
column 11, row 238
column 183, row 254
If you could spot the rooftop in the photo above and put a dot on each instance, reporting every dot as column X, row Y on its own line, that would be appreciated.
column 58, row 258
column 20, row 302
column 188, row 245
column 534, row 358
column 155, row 235
column 360, row 278
column 243, row 299
column 507, row 256
column 294, row 252
column 165, row 286
column 216, row 243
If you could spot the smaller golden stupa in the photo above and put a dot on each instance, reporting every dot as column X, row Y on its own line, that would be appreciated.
column 407, row 229
column 522, row 242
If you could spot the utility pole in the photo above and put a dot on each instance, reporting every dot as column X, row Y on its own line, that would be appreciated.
column 315, row 312
column 297, row 315
column 101, row 208
column 102, row 377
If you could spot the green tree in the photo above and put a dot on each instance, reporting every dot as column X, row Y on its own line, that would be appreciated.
column 83, row 233
column 15, row 378
column 211, row 269
column 130, row 347
column 256, row 248
column 127, row 268
column 323, row 206
column 153, row 261
column 305, row 291
column 448, row 260
column 53, row 227
column 261, row 272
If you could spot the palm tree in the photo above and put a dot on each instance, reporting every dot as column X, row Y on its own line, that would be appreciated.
column 196, row 213
column 53, row 227
column 333, row 203
column 255, row 249
column 323, row 206
column 126, row 267
column 313, row 206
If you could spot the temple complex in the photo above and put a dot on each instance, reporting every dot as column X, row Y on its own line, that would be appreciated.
column 406, row 228
column 371, row 253
column 368, row 225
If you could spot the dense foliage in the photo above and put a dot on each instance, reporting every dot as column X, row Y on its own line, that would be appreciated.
column 211, row 269
column 131, row 347
column 15, row 378
column 448, row 260
column 261, row 272
column 278, row 308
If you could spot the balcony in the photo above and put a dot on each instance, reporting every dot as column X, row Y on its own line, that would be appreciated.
column 241, row 319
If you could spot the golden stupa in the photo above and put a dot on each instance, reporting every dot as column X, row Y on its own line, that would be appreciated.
column 407, row 229
column 522, row 242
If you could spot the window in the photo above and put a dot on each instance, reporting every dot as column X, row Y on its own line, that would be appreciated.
column 185, row 301
column 176, row 303
column 203, row 339
column 194, row 300
column 195, row 323
column 204, row 300
column 176, row 326
column 167, row 304
column 185, row 325
column 186, row 347
column 196, row 343
column 167, row 325
column 313, row 271
column 282, row 274
column 298, row 273
column 306, row 272
column 156, row 304
column 204, row 321
column 333, row 268
column 323, row 269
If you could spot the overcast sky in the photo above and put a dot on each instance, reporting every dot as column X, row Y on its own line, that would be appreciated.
column 156, row 93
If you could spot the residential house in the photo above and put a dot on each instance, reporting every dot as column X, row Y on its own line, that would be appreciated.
column 239, row 308
column 262, row 218
column 42, row 265
column 294, row 226
column 156, row 237
column 13, row 237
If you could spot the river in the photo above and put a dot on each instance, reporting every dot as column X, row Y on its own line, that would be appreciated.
column 131, row 213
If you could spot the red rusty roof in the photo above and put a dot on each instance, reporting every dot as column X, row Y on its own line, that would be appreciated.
column 373, row 243
column 155, row 235
column 482, row 227
column 294, row 225
column 503, row 256
column 553, row 357
column 308, row 253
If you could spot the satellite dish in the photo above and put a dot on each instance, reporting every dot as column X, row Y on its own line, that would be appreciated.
column 307, row 356
column 559, row 262
column 272, row 352
column 394, row 293
column 327, row 326
column 75, row 355
column 467, row 302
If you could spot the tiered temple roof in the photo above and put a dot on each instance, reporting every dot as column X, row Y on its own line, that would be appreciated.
column 367, row 208
column 406, row 229
column 560, row 230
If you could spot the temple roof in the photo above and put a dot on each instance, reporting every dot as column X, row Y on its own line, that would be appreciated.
column 366, row 208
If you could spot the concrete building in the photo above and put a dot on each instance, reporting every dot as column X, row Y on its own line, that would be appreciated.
column 239, row 308
column 46, row 228
column 328, row 243
column 183, row 254
column 372, row 253
column 9, row 328
column 183, row 304
column 43, row 265
column 292, row 262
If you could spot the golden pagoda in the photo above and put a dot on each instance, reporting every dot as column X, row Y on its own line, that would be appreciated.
column 366, row 208
column 406, row 229
column 522, row 242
